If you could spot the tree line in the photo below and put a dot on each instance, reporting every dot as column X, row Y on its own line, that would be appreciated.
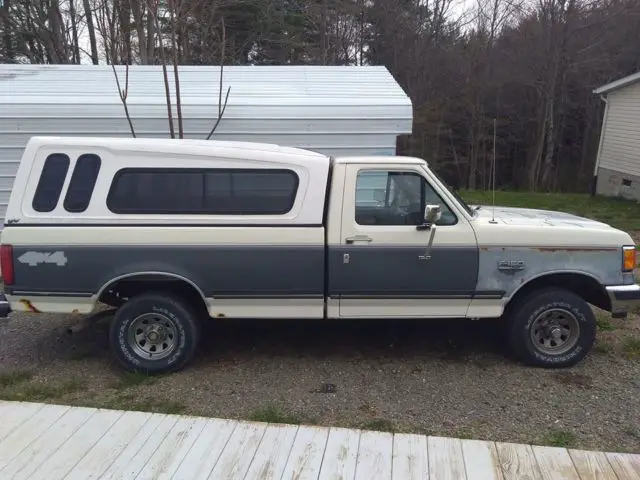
column 510, row 79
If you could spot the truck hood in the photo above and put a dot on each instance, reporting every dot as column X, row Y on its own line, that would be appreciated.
column 531, row 217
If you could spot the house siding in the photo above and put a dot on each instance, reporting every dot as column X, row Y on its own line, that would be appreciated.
column 619, row 156
column 612, row 183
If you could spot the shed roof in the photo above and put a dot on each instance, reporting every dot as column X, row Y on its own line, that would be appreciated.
column 620, row 83
column 250, row 85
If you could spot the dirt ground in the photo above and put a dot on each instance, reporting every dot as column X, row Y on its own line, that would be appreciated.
column 450, row 378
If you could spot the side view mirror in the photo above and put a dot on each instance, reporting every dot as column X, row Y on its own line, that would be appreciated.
column 432, row 214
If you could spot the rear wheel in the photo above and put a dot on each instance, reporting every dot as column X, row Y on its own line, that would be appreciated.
column 551, row 328
column 154, row 333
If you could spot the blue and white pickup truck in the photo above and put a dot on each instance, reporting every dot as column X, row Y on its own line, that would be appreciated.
column 172, row 232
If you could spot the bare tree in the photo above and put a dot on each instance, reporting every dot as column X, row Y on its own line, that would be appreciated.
column 88, row 13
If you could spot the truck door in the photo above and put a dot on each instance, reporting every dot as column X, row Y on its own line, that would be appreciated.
column 384, row 266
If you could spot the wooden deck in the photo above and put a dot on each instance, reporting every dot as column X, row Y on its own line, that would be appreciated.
column 52, row 442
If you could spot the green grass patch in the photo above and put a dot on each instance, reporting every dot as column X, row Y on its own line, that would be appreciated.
column 463, row 433
column 620, row 213
column 273, row 414
column 605, row 324
column 10, row 379
column 379, row 425
column 631, row 348
column 133, row 379
column 603, row 348
column 42, row 392
column 560, row 438
column 154, row 405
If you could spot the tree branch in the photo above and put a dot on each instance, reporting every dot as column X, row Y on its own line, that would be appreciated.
column 123, row 95
column 221, row 107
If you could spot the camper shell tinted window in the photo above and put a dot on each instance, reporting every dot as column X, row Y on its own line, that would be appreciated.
column 164, row 191
column 83, row 181
column 54, row 173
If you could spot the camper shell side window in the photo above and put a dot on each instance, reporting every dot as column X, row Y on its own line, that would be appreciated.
column 203, row 191
column 83, row 181
column 49, row 188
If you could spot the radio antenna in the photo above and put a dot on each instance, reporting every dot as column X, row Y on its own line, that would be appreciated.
column 493, row 175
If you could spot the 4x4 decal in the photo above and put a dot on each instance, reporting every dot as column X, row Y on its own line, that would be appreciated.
column 33, row 259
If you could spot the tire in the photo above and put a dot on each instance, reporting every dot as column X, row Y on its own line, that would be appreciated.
column 536, row 318
column 174, row 323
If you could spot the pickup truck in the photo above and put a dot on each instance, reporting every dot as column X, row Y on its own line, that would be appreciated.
column 172, row 232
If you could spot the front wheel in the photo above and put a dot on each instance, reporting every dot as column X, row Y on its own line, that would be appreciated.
column 551, row 328
column 154, row 333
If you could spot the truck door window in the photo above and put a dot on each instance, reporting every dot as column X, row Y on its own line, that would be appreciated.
column 396, row 198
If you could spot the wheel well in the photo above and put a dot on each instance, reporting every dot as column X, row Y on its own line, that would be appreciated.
column 119, row 291
column 586, row 287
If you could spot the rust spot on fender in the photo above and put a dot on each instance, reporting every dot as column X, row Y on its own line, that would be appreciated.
column 29, row 306
column 220, row 315
column 574, row 249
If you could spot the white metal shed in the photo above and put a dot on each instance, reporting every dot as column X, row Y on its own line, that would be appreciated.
column 617, row 169
column 332, row 110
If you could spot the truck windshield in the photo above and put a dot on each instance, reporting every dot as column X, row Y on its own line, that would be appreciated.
column 464, row 204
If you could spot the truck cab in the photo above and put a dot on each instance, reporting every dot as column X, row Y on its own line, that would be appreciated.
column 386, row 259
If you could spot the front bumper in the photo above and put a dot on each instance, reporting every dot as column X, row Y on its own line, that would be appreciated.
column 624, row 298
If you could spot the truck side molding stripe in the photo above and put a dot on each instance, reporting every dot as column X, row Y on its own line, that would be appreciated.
column 259, row 271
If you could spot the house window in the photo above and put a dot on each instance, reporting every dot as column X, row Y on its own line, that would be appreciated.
column 54, row 173
column 83, row 180
column 203, row 191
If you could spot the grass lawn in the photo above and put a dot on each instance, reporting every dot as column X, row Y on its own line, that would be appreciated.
column 622, row 214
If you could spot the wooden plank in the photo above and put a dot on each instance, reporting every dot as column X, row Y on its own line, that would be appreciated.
column 374, row 456
column 111, row 445
column 202, row 458
column 555, row 463
column 517, row 461
column 21, row 437
column 410, row 457
column 481, row 460
column 47, row 444
column 14, row 414
column 306, row 454
column 592, row 465
column 446, row 460
column 340, row 455
column 68, row 455
column 626, row 466
column 134, row 457
column 172, row 450
column 273, row 452
column 236, row 457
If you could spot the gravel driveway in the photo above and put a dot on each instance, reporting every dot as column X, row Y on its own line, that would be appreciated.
column 446, row 378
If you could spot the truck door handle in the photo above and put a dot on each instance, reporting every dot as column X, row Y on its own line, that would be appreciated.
column 358, row 238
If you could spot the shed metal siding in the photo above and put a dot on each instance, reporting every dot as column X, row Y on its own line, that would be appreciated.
column 620, row 150
column 331, row 110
